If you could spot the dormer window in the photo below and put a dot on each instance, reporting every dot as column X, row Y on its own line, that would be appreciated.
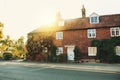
column 61, row 23
column 94, row 18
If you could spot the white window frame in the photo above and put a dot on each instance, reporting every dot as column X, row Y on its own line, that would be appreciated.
column 91, row 33
column 94, row 19
column 117, row 50
column 115, row 30
column 92, row 51
column 59, row 51
column 59, row 35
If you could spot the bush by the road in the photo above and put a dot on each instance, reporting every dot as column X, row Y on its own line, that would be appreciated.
column 7, row 56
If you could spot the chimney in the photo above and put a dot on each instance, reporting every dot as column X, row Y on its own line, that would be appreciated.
column 58, row 16
column 83, row 12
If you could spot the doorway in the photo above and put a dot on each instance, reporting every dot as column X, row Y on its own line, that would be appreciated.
column 70, row 53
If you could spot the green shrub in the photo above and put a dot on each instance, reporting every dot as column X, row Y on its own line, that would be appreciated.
column 77, row 53
column 53, row 59
column 58, row 58
column 52, row 56
column 41, row 57
column 96, row 43
column 7, row 56
column 106, row 49
column 117, row 59
column 61, row 58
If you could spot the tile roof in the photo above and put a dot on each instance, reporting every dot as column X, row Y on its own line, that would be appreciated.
column 44, row 28
column 84, row 23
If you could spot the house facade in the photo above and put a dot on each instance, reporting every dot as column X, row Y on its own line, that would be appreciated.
column 81, row 31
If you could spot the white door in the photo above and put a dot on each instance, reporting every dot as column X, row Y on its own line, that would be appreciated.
column 70, row 53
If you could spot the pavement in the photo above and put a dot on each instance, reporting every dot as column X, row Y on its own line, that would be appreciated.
column 93, row 67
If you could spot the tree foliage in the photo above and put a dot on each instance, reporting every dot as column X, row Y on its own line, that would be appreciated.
column 41, row 45
column 1, row 32
column 15, row 47
column 106, row 49
column 19, row 48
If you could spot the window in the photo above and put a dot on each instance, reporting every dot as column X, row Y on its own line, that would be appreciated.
column 61, row 23
column 92, row 51
column 94, row 18
column 115, row 31
column 59, row 51
column 91, row 33
column 59, row 35
column 118, row 50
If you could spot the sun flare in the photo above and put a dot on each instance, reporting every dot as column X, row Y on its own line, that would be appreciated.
column 49, row 21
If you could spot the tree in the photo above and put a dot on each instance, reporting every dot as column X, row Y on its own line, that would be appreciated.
column 18, row 48
column 1, row 32
column 15, row 47
column 43, row 44
column 33, row 48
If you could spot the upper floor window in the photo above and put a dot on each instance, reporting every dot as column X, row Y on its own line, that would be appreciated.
column 115, row 31
column 94, row 18
column 59, row 35
column 91, row 33
column 59, row 51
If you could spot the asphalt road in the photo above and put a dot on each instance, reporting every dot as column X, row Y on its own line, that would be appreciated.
column 30, row 72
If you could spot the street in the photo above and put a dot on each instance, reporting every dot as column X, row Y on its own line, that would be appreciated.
column 30, row 72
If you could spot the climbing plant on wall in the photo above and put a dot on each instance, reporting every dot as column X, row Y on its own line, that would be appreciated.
column 106, row 49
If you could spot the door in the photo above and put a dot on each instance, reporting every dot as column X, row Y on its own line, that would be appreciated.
column 70, row 53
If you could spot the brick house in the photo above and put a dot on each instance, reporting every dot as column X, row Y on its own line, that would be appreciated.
column 80, row 32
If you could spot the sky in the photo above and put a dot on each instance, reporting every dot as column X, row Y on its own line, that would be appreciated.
column 22, row 16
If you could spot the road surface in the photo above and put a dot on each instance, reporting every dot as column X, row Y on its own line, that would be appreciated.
column 30, row 72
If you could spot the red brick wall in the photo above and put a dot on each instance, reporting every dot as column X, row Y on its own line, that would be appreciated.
column 79, row 38
column 103, row 33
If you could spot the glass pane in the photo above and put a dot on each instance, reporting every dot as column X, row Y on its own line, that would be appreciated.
column 95, row 19
column 118, row 50
column 90, row 35
column 93, row 34
column 59, row 35
column 93, row 30
column 113, row 32
column 92, row 51
column 117, row 31
column 92, row 19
